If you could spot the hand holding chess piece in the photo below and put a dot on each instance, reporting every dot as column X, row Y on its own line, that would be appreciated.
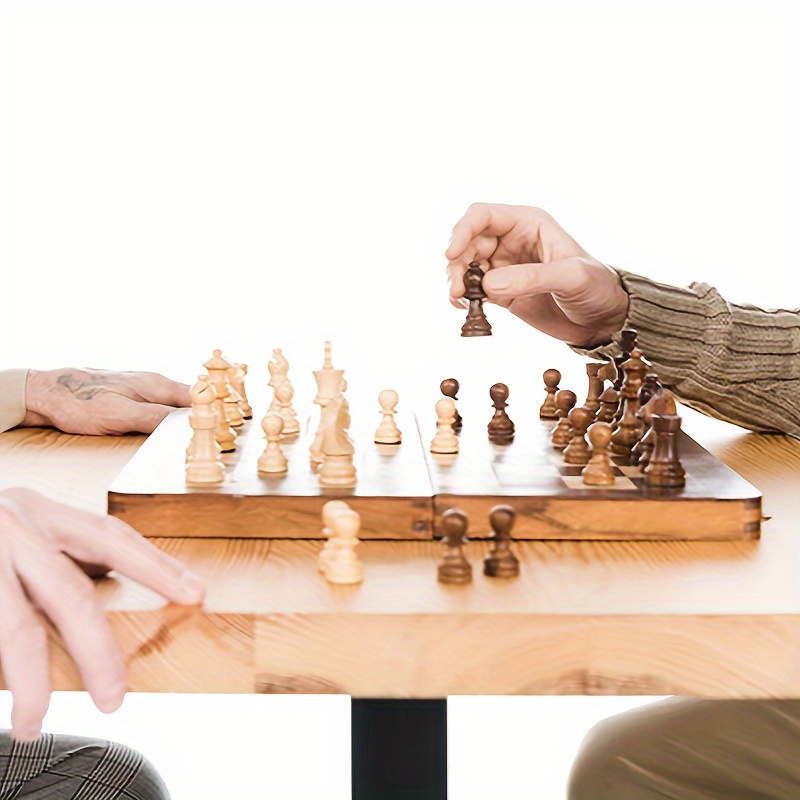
column 454, row 567
column 388, row 432
column 500, row 561
column 343, row 565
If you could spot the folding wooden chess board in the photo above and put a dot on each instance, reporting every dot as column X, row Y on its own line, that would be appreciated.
column 403, row 489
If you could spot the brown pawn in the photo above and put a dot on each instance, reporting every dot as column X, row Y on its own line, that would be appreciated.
column 454, row 567
column 595, row 387
column 500, row 561
column 501, row 428
column 609, row 403
column 577, row 451
column 664, row 470
column 599, row 471
column 664, row 404
column 450, row 387
column 627, row 344
column 476, row 324
column 562, row 433
column 552, row 377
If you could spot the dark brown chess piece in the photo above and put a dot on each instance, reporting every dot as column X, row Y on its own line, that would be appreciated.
column 599, row 471
column 609, row 403
column 551, row 377
column 501, row 428
column 608, row 372
column 595, row 387
column 662, row 403
column 577, row 451
column 627, row 344
column 454, row 567
column 476, row 324
column 664, row 469
column 500, row 561
column 630, row 428
column 450, row 387
column 562, row 433
column 650, row 388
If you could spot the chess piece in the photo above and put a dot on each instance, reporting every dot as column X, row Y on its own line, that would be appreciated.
column 388, row 432
column 337, row 449
column 330, row 384
column 595, row 387
column 329, row 511
column 278, row 368
column 577, row 451
column 236, row 376
column 608, row 372
column 476, row 324
column 609, row 403
column 501, row 428
column 650, row 388
column 630, row 428
column 343, row 565
column 500, row 561
column 552, row 377
column 284, row 394
column 272, row 461
column 217, row 368
column 454, row 567
column 450, row 387
column 599, row 471
column 562, row 433
column 445, row 441
column 204, row 464
column 664, row 469
column 627, row 344
column 662, row 403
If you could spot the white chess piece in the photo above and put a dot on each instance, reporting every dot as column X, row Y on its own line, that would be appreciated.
column 278, row 368
column 217, row 368
column 445, row 441
column 236, row 376
column 204, row 463
column 272, row 461
column 330, row 384
column 344, row 566
column 329, row 511
column 337, row 448
column 388, row 432
column 284, row 394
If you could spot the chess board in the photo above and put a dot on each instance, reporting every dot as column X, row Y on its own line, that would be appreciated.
column 403, row 489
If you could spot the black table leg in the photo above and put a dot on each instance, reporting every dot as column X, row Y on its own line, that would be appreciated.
column 399, row 749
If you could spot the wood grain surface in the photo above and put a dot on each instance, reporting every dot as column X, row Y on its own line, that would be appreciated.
column 717, row 619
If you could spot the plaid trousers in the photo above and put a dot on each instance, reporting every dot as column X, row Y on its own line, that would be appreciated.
column 72, row 768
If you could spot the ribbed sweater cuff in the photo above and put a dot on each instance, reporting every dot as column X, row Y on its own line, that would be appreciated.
column 12, row 397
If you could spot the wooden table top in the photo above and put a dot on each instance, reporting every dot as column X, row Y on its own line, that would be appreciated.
column 717, row 619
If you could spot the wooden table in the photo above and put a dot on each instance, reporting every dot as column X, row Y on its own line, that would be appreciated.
column 717, row 619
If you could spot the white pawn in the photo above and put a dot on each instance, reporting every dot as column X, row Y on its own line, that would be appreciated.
column 388, row 432
column 343, row 565
column 329, row 511
column 445, row 441
column 284, row 394
column 272, row 460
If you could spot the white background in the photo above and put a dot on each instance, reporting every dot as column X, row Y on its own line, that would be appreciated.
column 180, row 176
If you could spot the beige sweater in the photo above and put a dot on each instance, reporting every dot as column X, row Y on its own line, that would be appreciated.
column 738, row 363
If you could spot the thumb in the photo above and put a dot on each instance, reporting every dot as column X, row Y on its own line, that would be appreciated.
column 505, row 284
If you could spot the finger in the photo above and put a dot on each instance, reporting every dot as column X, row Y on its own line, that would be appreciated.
column 113, row 543
column 68, row 598
column 132, row 416
column 23, row 645
column 155, row 388
column 565, row 277
column 481, row 218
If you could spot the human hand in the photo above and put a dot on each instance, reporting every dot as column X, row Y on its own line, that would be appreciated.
column 42, row 544
column 101, row 402
column 538, row 271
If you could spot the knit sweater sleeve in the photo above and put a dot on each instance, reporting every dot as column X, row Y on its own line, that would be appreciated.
column 738, row 363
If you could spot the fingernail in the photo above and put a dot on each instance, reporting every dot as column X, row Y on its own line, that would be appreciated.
column 191, row 588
